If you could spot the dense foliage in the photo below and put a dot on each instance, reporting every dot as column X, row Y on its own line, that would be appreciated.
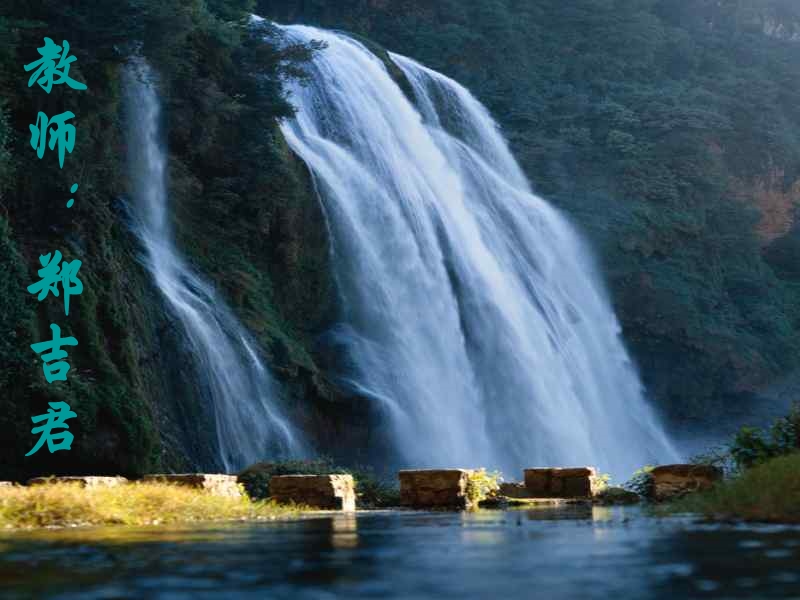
column 245, row 215
column 768, row 492
column 670, row 131
column 481, row 486
column 753, row 446
column 764, row 483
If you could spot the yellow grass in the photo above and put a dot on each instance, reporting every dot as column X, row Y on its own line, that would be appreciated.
column 68, row 504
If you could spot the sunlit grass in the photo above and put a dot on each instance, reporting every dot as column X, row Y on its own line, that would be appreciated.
column 68, row 504
column 769, row 492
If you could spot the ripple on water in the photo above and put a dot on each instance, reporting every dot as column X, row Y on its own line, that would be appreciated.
column 558, row 554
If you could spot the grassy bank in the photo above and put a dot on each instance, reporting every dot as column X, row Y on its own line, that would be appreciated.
column 66, row 504
column 767, row 492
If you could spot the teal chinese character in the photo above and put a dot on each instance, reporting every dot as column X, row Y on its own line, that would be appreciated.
column 63, row 134
column 55, row 371
column 48, row 69
column 56, row 415
column 51, row 275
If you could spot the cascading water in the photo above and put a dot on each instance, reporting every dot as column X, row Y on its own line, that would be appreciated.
column 243, row 397
column 472, row 311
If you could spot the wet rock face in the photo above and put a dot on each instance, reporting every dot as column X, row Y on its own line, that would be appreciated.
column 446, row 488
column 672, row 481
column 327, row 492
column 85, row 482
column 218, row 485
column 577, row 482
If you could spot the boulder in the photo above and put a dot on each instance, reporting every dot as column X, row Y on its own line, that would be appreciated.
column 215, row 484
column 574, row 482
column 434, row 488
column 672, row 481
column 89, row 481
column 328, row 492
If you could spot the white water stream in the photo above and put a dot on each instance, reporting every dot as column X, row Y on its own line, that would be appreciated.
column 473, row 312
column 243, row 397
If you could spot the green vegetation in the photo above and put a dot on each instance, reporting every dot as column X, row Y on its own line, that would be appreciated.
column 641, row 482
column 482, row 485
column 372, row 491
column 766, row 476
column 602, row 481
column 768, row 492
column 668, row 129
column 245, row 214
column 69, row 504
column 752, row 446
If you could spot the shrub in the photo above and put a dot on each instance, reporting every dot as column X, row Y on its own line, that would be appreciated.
column 601, row 482
column 481, row 485
column 373, row 491
column 641, row 482
column 753, row 446
column 767, row 492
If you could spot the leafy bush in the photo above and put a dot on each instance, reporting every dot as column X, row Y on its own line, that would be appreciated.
column 752, row 446
column 767, row 485
column 374, row 491
column 601, row 482
column 768, row 492
column 482, row 485
column 641, row 482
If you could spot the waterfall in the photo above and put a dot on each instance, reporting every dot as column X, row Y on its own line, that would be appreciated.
column 472, row 311
column 242, row 396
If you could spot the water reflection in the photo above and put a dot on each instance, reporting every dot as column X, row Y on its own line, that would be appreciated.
column 565, row 553
column 344, row 530
column 767, row 562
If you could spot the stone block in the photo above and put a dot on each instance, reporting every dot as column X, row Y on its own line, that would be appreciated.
column 672, row 481
column 215, row 484
column 328, row 492
column 432, row 488
column 89, row 481
column 574, row 482
column 538, row 482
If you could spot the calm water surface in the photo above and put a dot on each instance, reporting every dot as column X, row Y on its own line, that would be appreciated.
column 580, row 552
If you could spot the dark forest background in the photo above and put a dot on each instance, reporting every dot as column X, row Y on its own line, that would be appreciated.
column 669, row 131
